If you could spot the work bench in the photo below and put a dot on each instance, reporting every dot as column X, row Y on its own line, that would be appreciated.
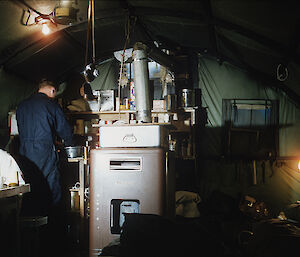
column 10, row 206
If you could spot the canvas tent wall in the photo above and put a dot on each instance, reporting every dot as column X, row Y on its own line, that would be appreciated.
column 13, row 90
column 278, row 182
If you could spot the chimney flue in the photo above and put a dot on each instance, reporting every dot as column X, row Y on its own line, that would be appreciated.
column 141, row 83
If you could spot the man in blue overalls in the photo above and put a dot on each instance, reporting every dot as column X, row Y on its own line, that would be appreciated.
column 40, row 119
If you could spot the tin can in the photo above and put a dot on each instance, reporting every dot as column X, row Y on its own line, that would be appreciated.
column 74, row 199
column 187, row 98
column 127, row 104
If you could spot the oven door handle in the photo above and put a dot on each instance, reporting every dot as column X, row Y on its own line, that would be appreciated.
column 129, row 138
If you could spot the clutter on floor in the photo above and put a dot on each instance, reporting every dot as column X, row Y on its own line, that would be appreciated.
column 219, row 226
column 187, row 204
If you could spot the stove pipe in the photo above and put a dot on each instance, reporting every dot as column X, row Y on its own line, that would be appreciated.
column 141, row 83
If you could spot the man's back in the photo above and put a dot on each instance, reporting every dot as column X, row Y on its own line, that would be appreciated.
column 36, row 119
column 40, row 119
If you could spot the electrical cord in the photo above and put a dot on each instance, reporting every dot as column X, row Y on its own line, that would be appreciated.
column 93, row 31
column 38, row 18
column 90, row 71
column 31, row 8
column 88, row 34
column 91, row 20
column 127, row 37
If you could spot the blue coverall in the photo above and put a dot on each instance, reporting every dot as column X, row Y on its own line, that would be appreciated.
column 39, row 120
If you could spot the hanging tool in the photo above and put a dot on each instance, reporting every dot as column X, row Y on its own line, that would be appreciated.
column 90, row 71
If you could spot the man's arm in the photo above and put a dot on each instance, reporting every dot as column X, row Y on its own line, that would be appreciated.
column 63, row 128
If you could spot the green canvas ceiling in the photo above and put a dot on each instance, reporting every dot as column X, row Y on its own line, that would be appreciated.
column 259, row 36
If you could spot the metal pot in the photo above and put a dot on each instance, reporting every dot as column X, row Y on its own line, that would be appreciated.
column 74, row 151
column 187, row 97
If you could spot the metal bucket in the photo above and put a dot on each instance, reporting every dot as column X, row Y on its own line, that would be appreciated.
column 75, row 199
column 187, row 97
column 74, row 151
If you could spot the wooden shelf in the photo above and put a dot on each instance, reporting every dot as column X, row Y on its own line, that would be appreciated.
column 12, row 191
column 77, row 159
column 188, row 109
column 99, row 112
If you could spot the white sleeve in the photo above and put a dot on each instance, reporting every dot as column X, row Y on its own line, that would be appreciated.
column 9, row 169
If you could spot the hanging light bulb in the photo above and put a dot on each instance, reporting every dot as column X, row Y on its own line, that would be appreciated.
column 45, row 29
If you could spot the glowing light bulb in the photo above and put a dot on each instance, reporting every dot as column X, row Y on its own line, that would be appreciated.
column 299, row 165
column 45, row 29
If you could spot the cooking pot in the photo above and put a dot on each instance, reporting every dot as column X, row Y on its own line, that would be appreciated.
column 187, row 97
column 74, row 151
